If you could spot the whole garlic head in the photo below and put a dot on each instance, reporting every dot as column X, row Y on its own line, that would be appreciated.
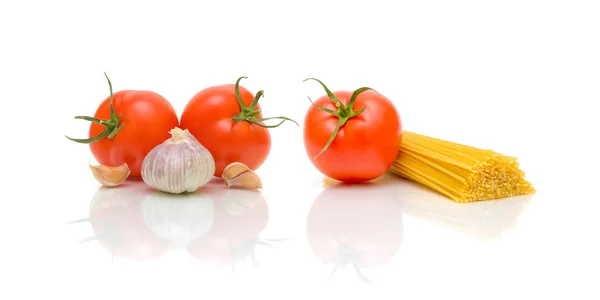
column 180, row 164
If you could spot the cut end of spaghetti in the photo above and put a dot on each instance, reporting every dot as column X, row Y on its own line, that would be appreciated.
column 462, row 173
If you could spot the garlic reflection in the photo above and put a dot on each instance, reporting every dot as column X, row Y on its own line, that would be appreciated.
column 138, row 223
column 238, row 203
column 178, row 219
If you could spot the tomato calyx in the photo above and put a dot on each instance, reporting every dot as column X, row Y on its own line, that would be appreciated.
column 111, row 126
column 343, row 112
column 248, row 113
column 345, row 256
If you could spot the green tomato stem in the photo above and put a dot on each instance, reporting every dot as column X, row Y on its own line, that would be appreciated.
column 331, row 96
column 343, row 112
column 358, row 92
column 237, row 93
column 111, row 126
column 248, row 113
column 255, row 101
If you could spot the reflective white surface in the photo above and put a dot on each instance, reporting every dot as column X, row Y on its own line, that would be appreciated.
column 307, row 237
column 389, row 233
column 516, row 76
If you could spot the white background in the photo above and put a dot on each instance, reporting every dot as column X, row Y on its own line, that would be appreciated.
column 520, row 77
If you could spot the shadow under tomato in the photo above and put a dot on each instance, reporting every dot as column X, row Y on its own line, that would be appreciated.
column 239, row 218
column 356, row 225
column 135, row 222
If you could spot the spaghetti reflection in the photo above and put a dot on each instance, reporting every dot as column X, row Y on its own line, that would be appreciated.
column 484, row 220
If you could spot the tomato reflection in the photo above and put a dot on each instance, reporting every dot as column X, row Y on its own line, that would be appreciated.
column 141, row 224
column 355, row 225
column 240, row 217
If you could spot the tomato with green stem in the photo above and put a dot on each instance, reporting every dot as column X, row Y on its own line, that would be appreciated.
column 227, row 120
column 127, row 125
column 352, row 136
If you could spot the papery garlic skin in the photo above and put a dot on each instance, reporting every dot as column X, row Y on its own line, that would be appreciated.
column 180, row 164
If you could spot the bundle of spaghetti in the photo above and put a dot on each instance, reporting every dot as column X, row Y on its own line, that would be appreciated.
column 461, row 172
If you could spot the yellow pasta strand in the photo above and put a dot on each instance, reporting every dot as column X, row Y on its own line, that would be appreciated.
column 460, row 172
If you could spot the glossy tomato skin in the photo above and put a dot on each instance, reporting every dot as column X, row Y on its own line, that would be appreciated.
column 364, row 148
column 148, row 118
column 209, row 117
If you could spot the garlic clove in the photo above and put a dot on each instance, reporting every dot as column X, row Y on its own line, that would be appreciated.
column 234, row 169
column 110, row 176
column 238, row 175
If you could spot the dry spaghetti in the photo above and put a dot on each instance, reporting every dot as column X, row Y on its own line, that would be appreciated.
column 462, row 173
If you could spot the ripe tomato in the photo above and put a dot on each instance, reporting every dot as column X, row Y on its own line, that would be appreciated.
column 127, row 125
column 352, row 136
column 239, row 218
column 227, row 120
column 359, row 225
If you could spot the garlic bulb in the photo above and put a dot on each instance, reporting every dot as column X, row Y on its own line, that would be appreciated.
column 180, row 164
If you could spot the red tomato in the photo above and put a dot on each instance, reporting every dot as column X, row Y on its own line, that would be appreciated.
column 352, row 136
column 240, row 217
column 119, row 227
column 230, row 125
column 356, row 225
column 133, row 124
